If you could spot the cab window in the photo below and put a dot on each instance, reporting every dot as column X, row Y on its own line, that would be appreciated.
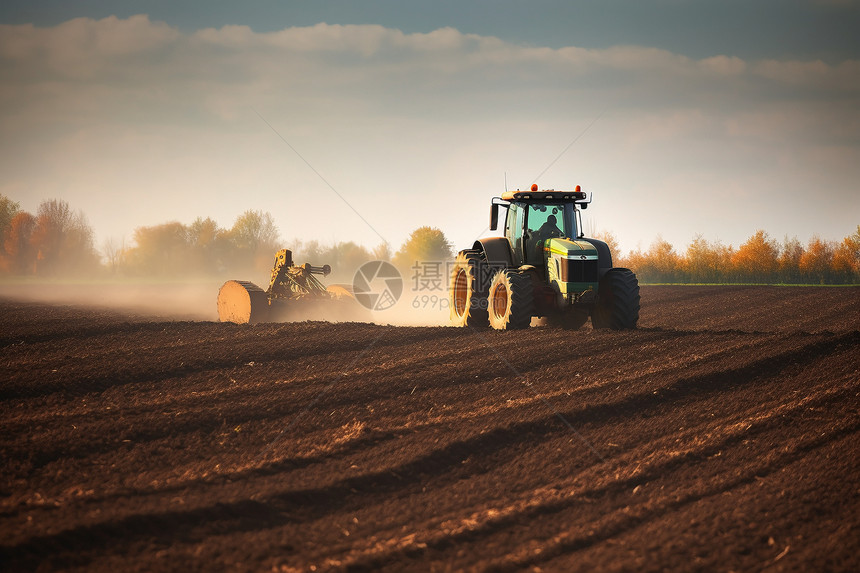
column 514, row 229
column 545, row 221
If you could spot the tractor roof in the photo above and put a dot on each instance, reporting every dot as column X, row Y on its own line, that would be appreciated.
column 535, row 194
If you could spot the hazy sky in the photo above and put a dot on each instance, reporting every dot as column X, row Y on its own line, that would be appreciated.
column 717, row 118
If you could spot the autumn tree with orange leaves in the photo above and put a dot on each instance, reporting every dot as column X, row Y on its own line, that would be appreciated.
column 19, row 255
column 58, row 242
column 660, row 263
column 55, row 242
column 757, row 259
column 760, row 259
column 846, row 257
column 707, row 262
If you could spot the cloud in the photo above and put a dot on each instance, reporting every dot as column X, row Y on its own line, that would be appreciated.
column 723, row 66
column 92, row 108
column 375, row 66
column 843, row 78
column 81, row 48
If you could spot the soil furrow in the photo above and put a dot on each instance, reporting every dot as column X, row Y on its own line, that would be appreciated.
column 726, row 433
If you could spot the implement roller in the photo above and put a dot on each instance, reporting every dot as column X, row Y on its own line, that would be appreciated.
column 294, row 293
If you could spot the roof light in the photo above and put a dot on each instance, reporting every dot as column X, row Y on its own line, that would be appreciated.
column 578, row 189
column 534, row 187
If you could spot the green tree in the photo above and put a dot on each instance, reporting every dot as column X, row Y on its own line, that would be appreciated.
column 345, row 258
column 209, row 245
column 424, row 244
column 203, row 233
column 8, row 210
column 160, row 250
column 254, row 241
column 254, row 230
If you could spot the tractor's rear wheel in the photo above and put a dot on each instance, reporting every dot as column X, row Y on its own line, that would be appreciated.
column 511, row 300
column 617, row 304
column 467, row 297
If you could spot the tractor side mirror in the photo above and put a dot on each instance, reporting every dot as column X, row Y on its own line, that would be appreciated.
column 494, row 216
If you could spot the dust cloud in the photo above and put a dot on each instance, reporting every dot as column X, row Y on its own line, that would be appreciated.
column 172, row 301
column 196, row 301
column 412, row 310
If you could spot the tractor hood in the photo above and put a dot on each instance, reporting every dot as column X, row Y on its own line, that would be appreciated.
column 571, row 265
column 568, row 248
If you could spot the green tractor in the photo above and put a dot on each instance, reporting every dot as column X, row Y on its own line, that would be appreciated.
column 543, row 267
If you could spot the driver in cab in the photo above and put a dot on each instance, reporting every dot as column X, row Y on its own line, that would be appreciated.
column 546, row 231
column 549, row 229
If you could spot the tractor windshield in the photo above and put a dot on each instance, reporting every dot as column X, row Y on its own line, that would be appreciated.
column 528, row 225
column 544, row 221
column 547, row 220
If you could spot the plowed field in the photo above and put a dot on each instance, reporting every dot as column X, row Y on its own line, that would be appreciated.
column 723, row 434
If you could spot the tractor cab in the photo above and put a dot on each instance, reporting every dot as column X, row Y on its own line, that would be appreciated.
column 543, row 228
column 528, row 227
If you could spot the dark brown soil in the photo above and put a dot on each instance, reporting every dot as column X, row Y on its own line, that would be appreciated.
column 723, row 434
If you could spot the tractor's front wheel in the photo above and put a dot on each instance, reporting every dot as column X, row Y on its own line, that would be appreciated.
column 468, row 290
column 511, row 300
column 617, row 304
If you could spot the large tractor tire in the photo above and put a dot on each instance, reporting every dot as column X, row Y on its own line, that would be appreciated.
column 617, row 304
column 511, row 300
column 467, row 296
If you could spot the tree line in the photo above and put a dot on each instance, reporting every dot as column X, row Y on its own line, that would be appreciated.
column 57, row 242
column 53, row 242
column 760, row 259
